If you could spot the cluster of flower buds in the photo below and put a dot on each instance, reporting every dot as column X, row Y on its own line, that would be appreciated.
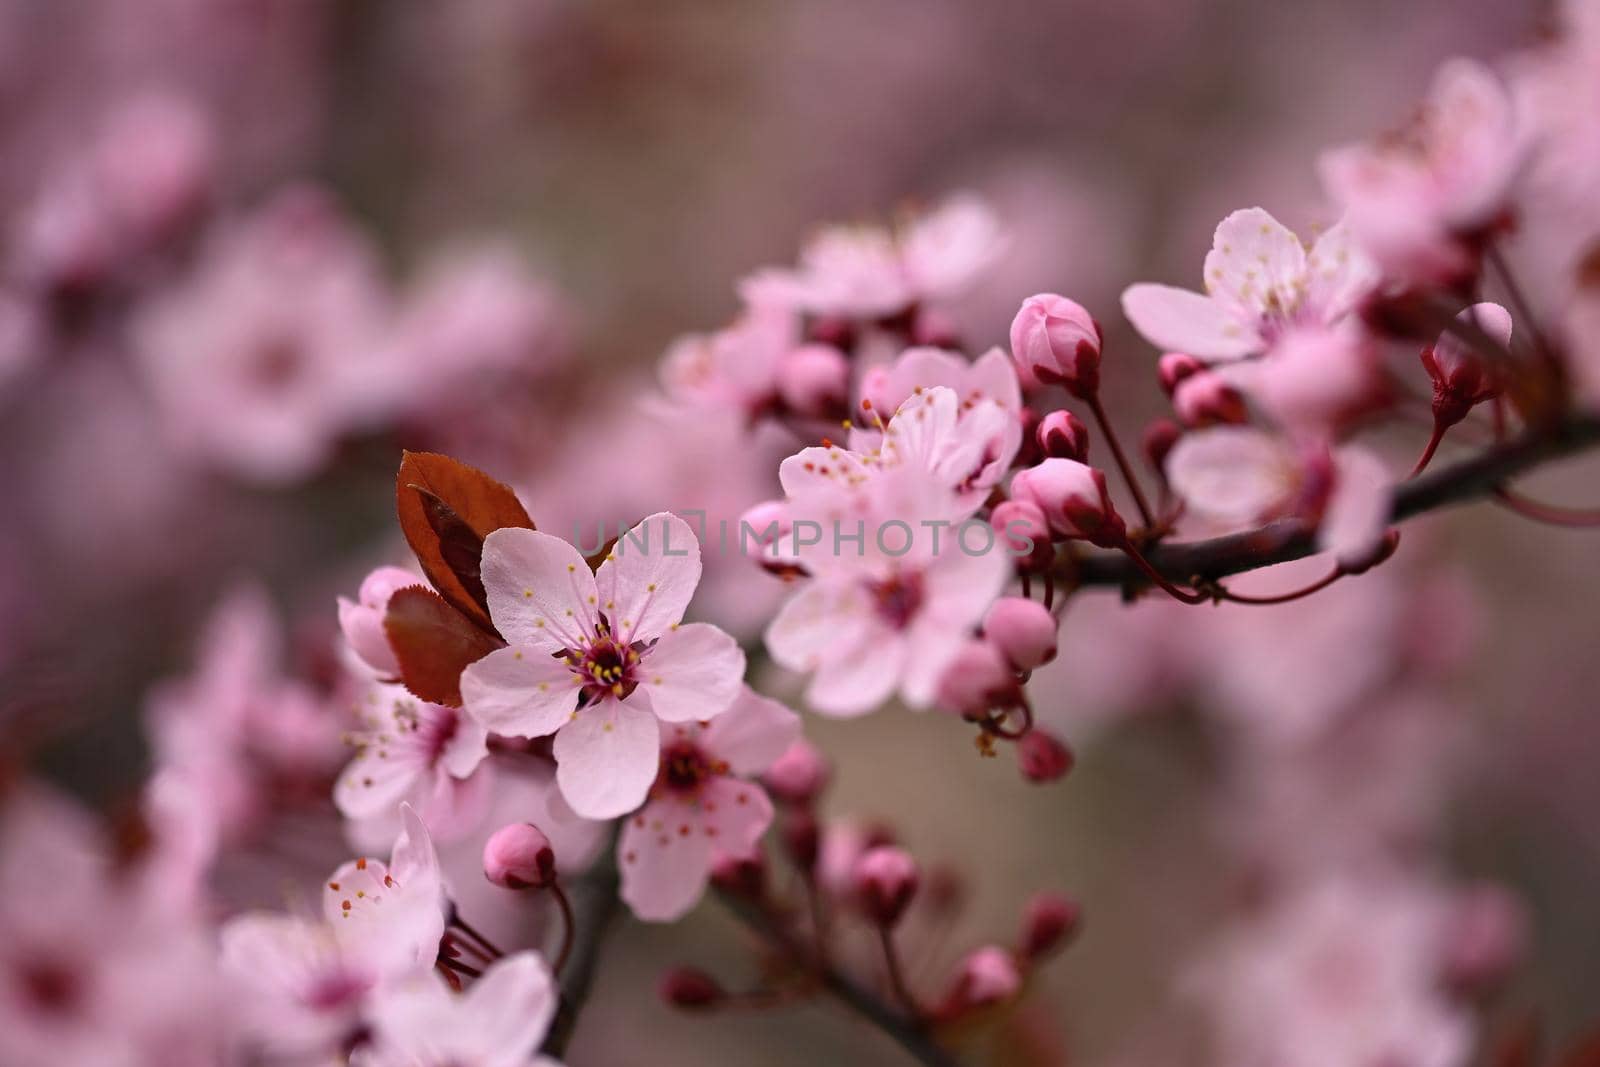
column 860, row 875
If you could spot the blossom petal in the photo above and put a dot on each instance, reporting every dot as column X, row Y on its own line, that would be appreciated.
column 606, row 758
column 1233, row 474
column 1256, row 266
column 752, row 733
column 541, row 592
column 1338, row 273
column 692, row 673
column 1180, row 320
column 825, row 618
column 1358, row 511
column 519, row 691
column 647, row 581
column 664, row 855
column 859, row 680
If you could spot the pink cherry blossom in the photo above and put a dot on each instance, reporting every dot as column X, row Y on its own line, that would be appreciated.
column 599, row 659
column 410, row 751
column 1317, row 380
column 704, row 805
column 871, row 273
column 263, row 357
column 1343, row 972
column 1241, row 476
column 1260, row 281
column 1414, row 198
column 871, row 623
column 362, row 619
column 990, row 378
column 1074, row 499
column 98, row 965
column 736, row 367
column 306, row 981
column 499, row 1021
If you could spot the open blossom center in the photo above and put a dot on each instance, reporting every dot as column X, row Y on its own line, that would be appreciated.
column 606, row 667
column 53, row 988
column 897, row 598
column 685, row 767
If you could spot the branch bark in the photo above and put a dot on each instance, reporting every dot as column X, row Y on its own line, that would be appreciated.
column 1280, row 542
column 597, row 891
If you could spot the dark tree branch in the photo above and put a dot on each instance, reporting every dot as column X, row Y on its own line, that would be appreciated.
column 1286, row 540
column 597, row 909
column 910, row 1034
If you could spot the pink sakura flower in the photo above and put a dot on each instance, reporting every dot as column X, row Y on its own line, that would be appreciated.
column 1317, row 378
column 97, row 964
column 890, row 613
column 1260, row 281
column 361, row 619
column 306, row 982
column 407, row 750
column 264, row 357
column 990, row 378
column 1240, row 476
column 737, row 367
column 704, row 805
column 599, row 658
column 1342, row 972
column 237, row 726
column 965, row 445
column 499, row 1021
column 870, row 273
column 1415, row 199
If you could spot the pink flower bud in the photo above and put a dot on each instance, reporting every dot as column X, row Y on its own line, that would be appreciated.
column 1175, row 367
column 1074, row 500
column 802, row 839
column 1048, row 923
column 987, row 976
column 691, row 989
column 884, row 880
column 1487, row 936
column 1058, row 341
column 744, row 876
column 1062, row 435
column 977, row 678
column 1023, row 630
column 1206, row 399
column 1025, row 532
column 1042, row 757
column 519, row 856
column 815, row 380
column 362, row 619
column 935, row 328
column 1461, row 377
column 1157, row 441
column 799, row 775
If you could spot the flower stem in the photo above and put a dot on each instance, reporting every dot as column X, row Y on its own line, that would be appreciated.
column 1099, row 412
column 1550, row 514
column 1149, row 571
column 897, row 977
column 568, row 926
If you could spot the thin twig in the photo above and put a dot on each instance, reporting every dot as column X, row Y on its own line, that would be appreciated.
column 1290, row 539
column 1129, row 475
column 910, row 1034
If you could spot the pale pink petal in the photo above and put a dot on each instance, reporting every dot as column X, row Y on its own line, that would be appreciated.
column 647, row 581
column 693, row 673
column 1180, row 320
column 751, row 734
column 1358, row 511
column 467, row 748
column 390, row 916
column 824, row 618
column 370, row 785
column 1256, row 266
column 860, row 678
column 930, row 649
column 363, row 630
column 1338, row 274
column 737, row 813
column 541, row 592
column 818, row 468
column 606, row 758
column 521, row 691
column 498, row 1022
column 965, row 578
column 1233, row 474
column 664, row 855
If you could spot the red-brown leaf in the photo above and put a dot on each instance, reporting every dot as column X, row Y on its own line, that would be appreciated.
column 434, row 643
column 446, row 510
